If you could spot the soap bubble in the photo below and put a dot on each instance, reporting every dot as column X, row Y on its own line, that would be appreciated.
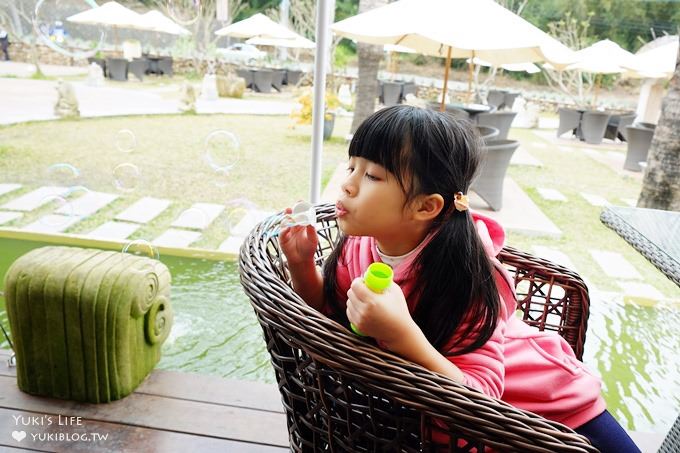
column 222, row 151
column 194, row 217
column 126, row 177
column 62, row 174
column 62, row 211
column 140, row 247
column 184, row 12
column 125, row 140
column 220, row 178
column 56, row 32
column 77, row 191
column 237, row 210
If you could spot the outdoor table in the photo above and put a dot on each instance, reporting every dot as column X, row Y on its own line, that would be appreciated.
column 472, row 109
column 652, row 232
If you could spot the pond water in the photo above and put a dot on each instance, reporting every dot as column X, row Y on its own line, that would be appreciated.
column 634, row 348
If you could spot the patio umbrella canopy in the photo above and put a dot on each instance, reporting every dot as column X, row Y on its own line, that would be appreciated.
column 603, row 57
column 158, row 22
column 656, row 59
column 257, row 26
column 456, row 29
column 294, row 43
column 111, row 13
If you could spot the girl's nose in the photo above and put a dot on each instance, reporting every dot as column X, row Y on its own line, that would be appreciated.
column 348, row 187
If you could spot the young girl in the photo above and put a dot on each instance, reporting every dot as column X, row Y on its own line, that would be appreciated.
column 452, row 306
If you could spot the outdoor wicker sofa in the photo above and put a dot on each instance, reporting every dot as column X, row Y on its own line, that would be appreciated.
column 342, row 393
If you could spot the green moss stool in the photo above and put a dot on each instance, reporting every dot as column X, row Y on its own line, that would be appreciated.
column 87, row 324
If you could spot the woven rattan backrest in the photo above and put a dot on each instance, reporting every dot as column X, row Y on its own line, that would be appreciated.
column 342, row 393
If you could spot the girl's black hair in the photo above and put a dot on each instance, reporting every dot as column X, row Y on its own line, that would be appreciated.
column 431, row 152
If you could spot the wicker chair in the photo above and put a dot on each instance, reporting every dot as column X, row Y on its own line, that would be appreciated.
column 342, row 393
column 500, row 120
column 593, row 126
column 570, row 120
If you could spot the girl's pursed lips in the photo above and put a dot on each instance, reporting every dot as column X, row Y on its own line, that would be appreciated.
column 340, row 209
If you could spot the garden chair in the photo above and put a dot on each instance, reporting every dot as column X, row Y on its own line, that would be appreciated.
column 509, row 100
column 570, row 119
column 639, row 142
column 496, row 98
column 277, row 79
column 138, row 67
column 165, row 66
column 262, row 80
column 247, row 75
column 593, row 126
column 651, row 126
column 616, row 128
column 391, row 93
column 500, row 120
column 488, row 183
column 100, row 61
column 409, row 88
column 292, row 77
column 117, row 69
column 455, row 111
column 340, row 392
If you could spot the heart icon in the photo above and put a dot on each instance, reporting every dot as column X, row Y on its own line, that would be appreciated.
column 18, row 435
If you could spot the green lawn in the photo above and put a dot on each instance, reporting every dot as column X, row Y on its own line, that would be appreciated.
column 273, row 170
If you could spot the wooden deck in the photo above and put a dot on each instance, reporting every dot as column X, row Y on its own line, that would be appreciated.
column 169, row 412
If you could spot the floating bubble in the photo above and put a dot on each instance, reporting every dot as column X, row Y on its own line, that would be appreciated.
column 140, row 247
column 62, row 174
column 62, row 211
column 237, row 210
column 222, row 151
column 193, row 217
column 185, row 12
column 125, row 141
column 220, row 178
column 77, row 191
column 54, row 26
column 126, row 177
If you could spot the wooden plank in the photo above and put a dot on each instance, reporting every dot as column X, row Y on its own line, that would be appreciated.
column 170, row 414
column 197, row 387
column 85, row 435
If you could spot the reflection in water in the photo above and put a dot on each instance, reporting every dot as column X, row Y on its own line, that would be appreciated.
column 634, row 348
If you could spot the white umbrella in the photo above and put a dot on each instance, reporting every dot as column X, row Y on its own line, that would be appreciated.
column 299, row 42
column 112, row 14
column 603, row 57
column 257, row 25
column 656, row 59
column 515, row 67
column 456, row 29
column 158, row 22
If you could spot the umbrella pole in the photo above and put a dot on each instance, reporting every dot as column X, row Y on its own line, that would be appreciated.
column 470, row 66
column 442, row 107
column 598, row 79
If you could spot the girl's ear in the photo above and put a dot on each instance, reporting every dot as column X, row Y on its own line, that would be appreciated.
column 428, row 206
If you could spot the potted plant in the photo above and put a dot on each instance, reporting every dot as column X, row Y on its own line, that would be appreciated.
column 304, row 114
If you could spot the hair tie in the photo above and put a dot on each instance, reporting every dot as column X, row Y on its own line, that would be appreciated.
column 460, row 201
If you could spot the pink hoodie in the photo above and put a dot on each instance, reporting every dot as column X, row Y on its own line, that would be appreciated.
column 533, row 370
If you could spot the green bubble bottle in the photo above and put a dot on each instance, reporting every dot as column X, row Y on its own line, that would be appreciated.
column 377, row 277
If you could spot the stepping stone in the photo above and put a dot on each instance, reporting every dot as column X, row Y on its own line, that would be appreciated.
column 595, row 200
column 7, row 188
column 566, row 149
column 114, row 230
column 616, row 156
column 6, row 217
column 615, row 265
column 248, row 222
column 540, row 145
column 198, row 216
column 52, row 223
column 522, row 157
column 87, row 204
column 35, row 198
column 550, row 194
column 554, row 255
column 232, row 245
column 630, row 202
column 144, row 210
column 643, row 292
column 176, row 238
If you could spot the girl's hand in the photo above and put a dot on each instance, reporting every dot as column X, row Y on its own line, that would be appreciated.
column 383, row 316
column 298, row 243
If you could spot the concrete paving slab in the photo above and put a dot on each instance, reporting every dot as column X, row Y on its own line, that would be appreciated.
column 87, row 204
column 555, row 256
column 594, row 200
column 199, row 216
column 550, row 194
column 176, row 238
column 35, row 199
column 643, row 293
column 246, row 224
column 114, row 230
column 6, row 217
column 519, row 213
column 52, row 223
column 232, row 244
column 522, row 157
column 144, row 210
column 615, row 265
column 539, row 145
column 566, row 149
column 7, row 188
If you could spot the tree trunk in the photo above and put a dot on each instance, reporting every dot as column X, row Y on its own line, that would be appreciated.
column 661, row 183
column 369, row 62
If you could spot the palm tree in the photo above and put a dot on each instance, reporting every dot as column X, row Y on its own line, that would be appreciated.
column 661, row 183
column 369, row 61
